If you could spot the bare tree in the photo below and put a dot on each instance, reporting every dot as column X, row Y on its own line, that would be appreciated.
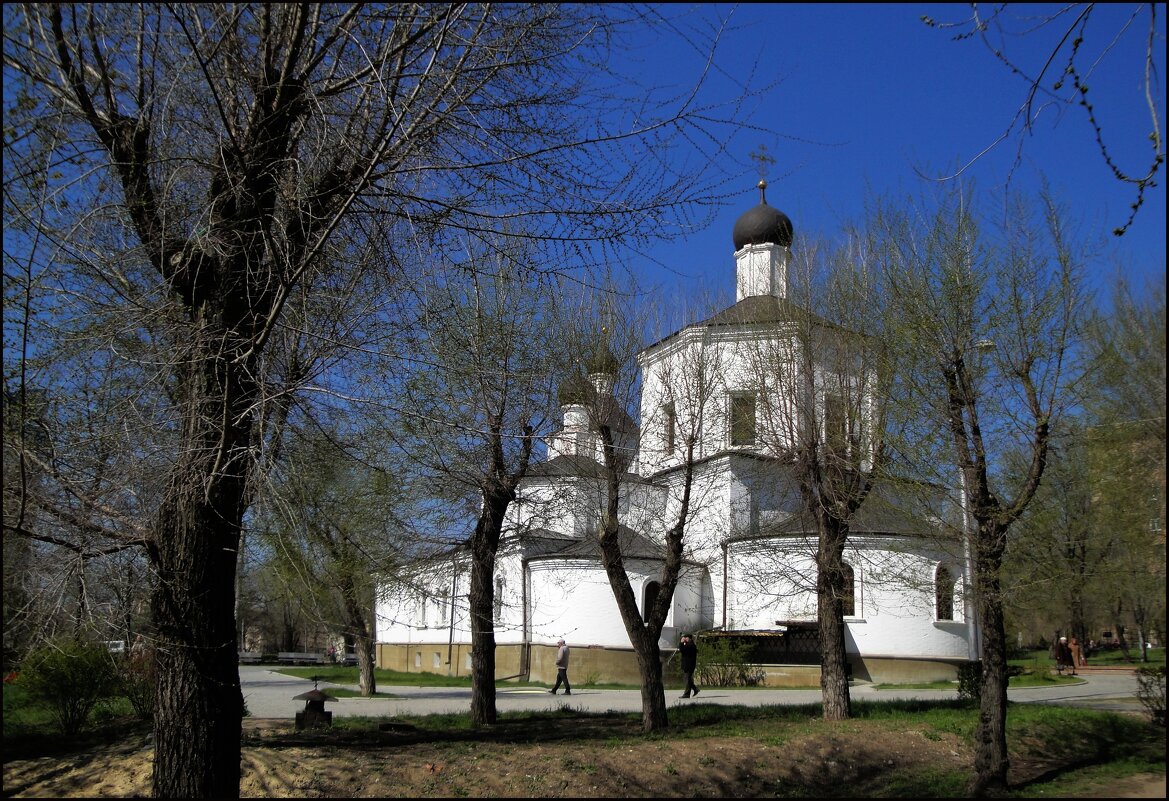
column 985, row 331
column 817, row 388
column 195, row 170
column 645, row 516
column 1076, row 48
column 473, row 396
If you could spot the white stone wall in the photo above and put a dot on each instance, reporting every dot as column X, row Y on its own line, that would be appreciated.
column 418, row 608
column 761, row 270
column 774, row 579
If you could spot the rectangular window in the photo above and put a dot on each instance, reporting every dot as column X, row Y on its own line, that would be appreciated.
column 848, row 604
column 836, row 424
column 943, row 594
column 742, row 420
column 670, row 422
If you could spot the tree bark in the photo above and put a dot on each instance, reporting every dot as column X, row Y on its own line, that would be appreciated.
column 360, row 630
column 653, row 690
column 837, row 701
column 484, row 544
column 199, row 705
column 991, row 760
column 363, row 645
column 643, row 633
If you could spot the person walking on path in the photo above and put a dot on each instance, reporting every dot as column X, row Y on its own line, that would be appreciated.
column 689, row 651
column 1063, row 655
column 1077, row 654
column 562, row 669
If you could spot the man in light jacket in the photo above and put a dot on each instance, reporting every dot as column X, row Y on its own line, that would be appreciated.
column 562, row 669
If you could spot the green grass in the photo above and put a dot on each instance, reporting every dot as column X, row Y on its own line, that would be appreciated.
column 1036, row 676
column 23, row 714
column 1032, row 678
column 345, row 692
column 1042, row 678
column 1112, row 656
column 1086, row 748
column 340, row 674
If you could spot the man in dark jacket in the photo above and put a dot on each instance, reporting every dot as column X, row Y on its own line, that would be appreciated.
column 688, row 649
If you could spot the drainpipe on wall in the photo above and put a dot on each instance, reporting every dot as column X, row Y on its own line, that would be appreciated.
column 725, row 547
column 450, row 646
column 526, row 642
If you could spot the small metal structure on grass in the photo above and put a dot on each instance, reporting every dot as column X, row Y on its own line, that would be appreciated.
column 314, row 714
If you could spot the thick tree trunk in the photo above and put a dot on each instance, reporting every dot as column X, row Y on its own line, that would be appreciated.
column 363, row 646
column 830, row 591
column 199, row 705
column 653, row 691
column 357, row 625
column 643, row 633
column 484, row 543
column 482, row 643
column 990, row 740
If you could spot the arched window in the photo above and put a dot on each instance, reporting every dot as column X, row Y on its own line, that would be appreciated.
column 849, row 597
column 944, row 594
column 649, row 597
column 499, row 585
column 420, row 610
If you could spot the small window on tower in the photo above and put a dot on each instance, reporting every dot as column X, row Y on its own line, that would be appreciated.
column 670, row 426
column 742, row 420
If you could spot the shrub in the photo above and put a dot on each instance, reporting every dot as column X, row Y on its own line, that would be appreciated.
column 725, row 662
column 1151, row 692
column 137, row 681
column 970, row 681
column 70, row 677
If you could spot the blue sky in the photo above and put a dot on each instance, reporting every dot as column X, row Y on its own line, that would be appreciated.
column 867, row 93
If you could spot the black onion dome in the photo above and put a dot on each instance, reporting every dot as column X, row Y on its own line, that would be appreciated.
column 602, row 360
column 574, row 389
column 762, row 225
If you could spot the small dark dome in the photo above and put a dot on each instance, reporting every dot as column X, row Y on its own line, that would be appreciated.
column 762, row 225
column 574, row 389
column 602, row 360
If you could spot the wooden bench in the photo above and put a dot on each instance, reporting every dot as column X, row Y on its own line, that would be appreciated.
column 300, row 658
column 250, row 657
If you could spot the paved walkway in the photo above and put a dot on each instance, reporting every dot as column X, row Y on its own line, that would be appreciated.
column 270, row 695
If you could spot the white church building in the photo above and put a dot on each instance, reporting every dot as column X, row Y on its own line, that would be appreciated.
column 749, row 571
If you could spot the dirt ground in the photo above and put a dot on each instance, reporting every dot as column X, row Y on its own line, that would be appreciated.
column 570, row 758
